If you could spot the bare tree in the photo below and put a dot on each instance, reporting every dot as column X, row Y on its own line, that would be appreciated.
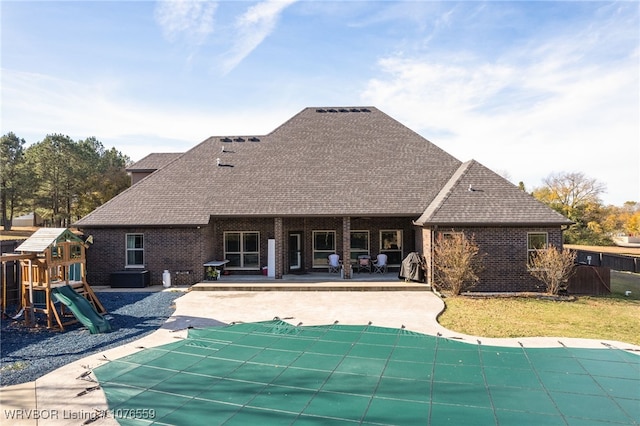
column 457, row 262
column 553, row 267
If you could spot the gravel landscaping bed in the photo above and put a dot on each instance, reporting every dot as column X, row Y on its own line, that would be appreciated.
column 28, row 353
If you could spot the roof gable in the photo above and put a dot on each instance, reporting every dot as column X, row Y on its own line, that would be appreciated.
column 476, row 195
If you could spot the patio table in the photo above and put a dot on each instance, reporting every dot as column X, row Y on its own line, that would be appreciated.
column 215, row 264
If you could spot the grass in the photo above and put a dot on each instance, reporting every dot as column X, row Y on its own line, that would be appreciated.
column 614, row 317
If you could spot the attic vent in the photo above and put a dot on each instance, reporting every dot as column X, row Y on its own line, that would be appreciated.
column 225, row 140
column 254, row 139
column 355, row 110
column 238, row 140
column 332, row 110
column 321, row 110
column 365, row 110
column 343, row 110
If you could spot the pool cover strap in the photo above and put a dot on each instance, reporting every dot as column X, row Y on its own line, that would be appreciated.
column 275, row 373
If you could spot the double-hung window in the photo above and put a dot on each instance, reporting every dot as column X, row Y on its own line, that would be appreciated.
column 324, row 244
column 536, row 241
column 135, row 250
column 242, row 249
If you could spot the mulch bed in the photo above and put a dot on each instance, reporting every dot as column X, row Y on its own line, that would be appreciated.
column 28, row 353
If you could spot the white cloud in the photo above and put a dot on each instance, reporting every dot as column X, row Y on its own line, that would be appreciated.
column 191, row 19
column 251, row 28
column 562, row 108
column 42, row 105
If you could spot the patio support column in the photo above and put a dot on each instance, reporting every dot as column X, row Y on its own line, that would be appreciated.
column 428, row 235
column 278, row 235
column 346, row 246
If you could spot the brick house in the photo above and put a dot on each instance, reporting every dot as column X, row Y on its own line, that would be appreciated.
column 345, row 180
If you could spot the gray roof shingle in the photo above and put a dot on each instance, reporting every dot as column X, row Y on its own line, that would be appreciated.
column 476, row 195
column 350, row 161
column 154, row 161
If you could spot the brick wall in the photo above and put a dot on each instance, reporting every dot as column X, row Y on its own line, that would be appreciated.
column 505, row 257
column 184, row 250
column 176, row 249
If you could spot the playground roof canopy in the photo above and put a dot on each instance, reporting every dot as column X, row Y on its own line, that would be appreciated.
column 43, row 238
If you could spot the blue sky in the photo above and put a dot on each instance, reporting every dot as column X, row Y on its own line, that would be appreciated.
column 526, row 88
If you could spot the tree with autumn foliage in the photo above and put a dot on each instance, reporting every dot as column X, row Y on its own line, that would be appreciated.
column 577, row 197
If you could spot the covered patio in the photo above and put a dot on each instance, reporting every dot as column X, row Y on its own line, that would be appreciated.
column 312, row 281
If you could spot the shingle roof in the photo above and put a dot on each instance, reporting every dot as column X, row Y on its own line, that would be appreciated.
column 350, row 161
column 154, row 161
column 476, row 195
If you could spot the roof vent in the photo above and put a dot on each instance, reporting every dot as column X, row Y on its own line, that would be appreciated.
column 365, row 110
column 254, row 139
column 238, row 140
column 355, row 110
column 343, row 110
column 225, row 140
column 321, row 110
column 332, row 110
column 221, row 164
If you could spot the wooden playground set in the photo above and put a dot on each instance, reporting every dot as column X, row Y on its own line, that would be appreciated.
column 52, row 281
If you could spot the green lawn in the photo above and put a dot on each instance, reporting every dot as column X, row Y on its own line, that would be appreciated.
column 623, row 281
column 614, row 317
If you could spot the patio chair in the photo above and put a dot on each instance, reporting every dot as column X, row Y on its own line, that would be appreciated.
column 334, row 263
column 364, row 263
column 380, row 264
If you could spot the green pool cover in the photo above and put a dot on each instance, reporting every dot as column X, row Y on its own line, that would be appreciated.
column 274, row 373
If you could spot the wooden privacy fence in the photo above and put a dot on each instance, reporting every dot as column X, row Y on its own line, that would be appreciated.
column 590, row 280
column 617, row 262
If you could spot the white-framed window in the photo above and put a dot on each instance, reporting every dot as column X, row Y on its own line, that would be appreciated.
column 536, row 241
column 242, row 249
column 324, row 244
column 135, row 250
column 359, row 244
column 391, row 245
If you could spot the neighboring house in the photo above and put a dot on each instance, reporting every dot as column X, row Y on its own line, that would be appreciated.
column 346, row 180
column 28, row 220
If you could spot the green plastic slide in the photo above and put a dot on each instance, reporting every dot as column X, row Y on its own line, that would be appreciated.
column 81, row 309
